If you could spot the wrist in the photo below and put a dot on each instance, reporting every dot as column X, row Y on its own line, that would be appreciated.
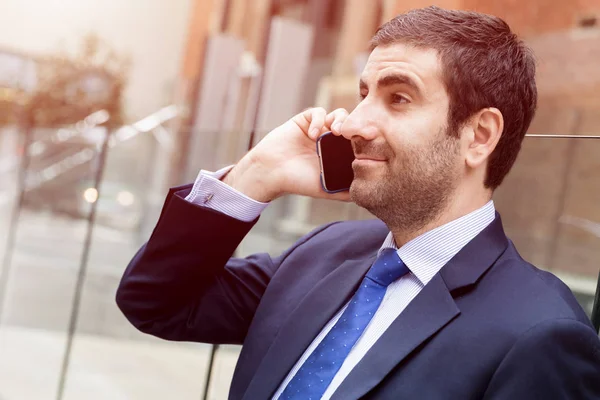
column 253, row 179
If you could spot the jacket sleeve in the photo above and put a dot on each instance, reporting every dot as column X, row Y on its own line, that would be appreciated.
column 558, row 359
column 183, row 283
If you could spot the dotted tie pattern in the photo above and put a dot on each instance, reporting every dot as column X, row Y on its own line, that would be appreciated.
column 315, row 375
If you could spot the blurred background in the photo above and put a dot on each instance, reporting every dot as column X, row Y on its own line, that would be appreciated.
column 104, row 105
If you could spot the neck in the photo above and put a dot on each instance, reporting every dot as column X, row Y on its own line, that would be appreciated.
column 457, row 207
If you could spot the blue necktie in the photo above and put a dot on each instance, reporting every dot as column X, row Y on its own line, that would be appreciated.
column 317, row 372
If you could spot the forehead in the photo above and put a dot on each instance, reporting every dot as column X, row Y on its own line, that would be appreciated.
column 421, row 64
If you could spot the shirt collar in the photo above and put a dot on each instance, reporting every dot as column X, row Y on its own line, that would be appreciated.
column 426, row 254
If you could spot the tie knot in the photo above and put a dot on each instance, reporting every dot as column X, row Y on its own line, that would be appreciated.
column 387, row 268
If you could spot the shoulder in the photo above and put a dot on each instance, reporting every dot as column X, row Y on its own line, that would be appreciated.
column 339, row 241
column 555, row 359
column 533, row 294
column 556, row 341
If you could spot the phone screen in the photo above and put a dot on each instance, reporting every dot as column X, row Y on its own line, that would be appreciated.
column 336, row 157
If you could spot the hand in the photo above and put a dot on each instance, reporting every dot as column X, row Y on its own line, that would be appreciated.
column 286, row 161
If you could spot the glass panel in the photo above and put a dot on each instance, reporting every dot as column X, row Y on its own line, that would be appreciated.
column 110, row 358
column 549, row 201
column 42, row 269
column 222, row 373
column 9, row 163
column 548, row 204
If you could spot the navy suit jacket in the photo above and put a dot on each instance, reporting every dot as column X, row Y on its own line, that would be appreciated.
column 487, row 326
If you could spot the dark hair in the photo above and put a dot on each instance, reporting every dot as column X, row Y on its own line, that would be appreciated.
column 484, row 65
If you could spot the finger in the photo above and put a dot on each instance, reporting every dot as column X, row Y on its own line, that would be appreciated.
column 340, row 196
column 303, row 120
column 335, row 119
column 317, row 122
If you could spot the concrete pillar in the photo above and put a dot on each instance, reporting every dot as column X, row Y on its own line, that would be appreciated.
column 316, row 14
column 258, row 20
column 388, row 10
column 249, row 20
column 198, row 31
column 360, row 22
column 191, row 68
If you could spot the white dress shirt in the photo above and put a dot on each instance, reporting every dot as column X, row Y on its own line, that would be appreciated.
column 424, row 256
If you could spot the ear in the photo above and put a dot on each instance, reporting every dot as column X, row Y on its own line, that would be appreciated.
column 487, row 126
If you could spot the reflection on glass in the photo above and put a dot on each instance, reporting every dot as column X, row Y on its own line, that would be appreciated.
column 549, row 205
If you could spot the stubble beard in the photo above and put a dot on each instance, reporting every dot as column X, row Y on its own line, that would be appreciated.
column 414, row 189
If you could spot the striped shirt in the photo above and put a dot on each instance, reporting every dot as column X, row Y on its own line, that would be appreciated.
column 424, row 256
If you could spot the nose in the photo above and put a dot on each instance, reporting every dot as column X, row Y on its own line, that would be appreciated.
column 361, row 122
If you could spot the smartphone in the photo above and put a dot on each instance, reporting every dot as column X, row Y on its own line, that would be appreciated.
column 336, row 157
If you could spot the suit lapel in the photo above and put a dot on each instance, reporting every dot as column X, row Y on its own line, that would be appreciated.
column 428, row 313
column 469, row 265
column 304, row 324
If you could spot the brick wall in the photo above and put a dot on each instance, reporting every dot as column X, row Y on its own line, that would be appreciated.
column 528, row 17
column 569, row 65
column 536, row 16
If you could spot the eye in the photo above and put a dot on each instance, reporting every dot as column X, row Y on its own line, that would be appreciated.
column 399, row 99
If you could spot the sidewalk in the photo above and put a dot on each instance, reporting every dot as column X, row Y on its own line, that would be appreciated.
column 109, row 359
column 105, row 368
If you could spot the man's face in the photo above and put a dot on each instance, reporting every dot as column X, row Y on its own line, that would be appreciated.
column 407, row 164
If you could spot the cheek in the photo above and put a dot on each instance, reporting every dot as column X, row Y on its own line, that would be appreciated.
column 413, row 134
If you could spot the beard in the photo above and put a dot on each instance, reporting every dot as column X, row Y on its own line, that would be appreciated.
column 413, row 187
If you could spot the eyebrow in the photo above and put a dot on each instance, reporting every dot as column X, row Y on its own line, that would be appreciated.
column 391, row 80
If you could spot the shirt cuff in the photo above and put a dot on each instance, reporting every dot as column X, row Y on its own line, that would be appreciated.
column 209, row 191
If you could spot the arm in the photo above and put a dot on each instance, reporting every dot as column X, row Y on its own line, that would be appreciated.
column 182, row 284
column 558, row 359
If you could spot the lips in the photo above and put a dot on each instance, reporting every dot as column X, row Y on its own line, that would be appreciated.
column 368, row 158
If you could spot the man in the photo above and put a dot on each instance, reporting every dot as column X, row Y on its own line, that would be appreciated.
column 429, row 301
